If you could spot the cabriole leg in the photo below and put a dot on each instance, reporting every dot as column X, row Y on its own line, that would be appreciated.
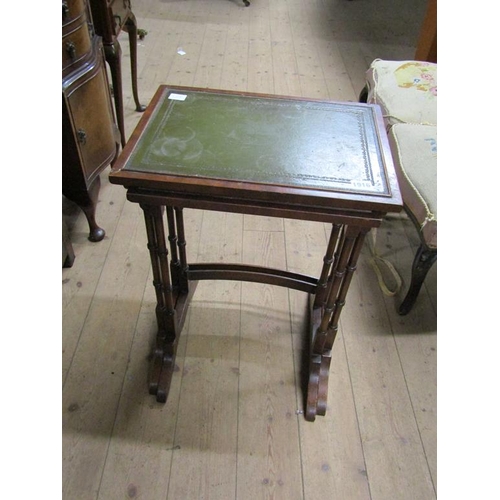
column 423, row 261
column 131, row 28
column 113, row 54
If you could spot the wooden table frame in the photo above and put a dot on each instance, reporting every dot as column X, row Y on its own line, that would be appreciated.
column 163, row 197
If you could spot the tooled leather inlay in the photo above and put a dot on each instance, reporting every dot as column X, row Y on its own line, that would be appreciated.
column 318, row 145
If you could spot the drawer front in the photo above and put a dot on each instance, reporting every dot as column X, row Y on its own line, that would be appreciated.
column 75, row 45
column 72, row 9
column 93, row 122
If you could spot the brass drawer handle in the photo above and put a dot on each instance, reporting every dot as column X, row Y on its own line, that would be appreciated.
column 71, row 49
column 65, row 9
column 82, row 136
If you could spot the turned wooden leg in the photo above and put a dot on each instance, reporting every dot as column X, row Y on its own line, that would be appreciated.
column 181, row 243
column 113, row 54
column 131, row 28
column 175, row 264
column 423, row 261
column 328, row 261
column 166, row 340
column 172, row 292
column 326, row 313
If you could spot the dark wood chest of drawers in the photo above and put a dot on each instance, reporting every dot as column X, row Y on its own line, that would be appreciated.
column 90, row 138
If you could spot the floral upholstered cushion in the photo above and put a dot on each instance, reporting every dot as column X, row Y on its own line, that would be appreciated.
column 414, row 150
column 406, row 90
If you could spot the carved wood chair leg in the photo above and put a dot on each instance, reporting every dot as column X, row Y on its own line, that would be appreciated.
column 423, row 261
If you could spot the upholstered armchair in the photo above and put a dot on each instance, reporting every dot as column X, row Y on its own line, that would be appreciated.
column 407, row 94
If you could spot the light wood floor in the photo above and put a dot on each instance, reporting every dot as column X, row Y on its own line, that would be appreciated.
column 232, row 427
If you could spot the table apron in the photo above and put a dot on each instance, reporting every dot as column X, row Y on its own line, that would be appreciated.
column 359, row 218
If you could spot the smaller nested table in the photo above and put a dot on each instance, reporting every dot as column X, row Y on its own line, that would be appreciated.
column 263, row 155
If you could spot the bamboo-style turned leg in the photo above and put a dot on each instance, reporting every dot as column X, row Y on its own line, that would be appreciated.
column 170, row 279
column 175, row 265
column 172, row 292
column 328, row 261
column 166, row 341
column 348, row 242
column 181, row 243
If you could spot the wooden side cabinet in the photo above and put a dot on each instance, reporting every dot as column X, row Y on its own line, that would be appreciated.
column 90, row 138
column 110, row 17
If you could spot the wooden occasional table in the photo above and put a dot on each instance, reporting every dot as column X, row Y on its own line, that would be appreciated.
column 264, row 155
column 110, row 17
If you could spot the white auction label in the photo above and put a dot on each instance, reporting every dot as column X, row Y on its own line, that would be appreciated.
column 177, row 97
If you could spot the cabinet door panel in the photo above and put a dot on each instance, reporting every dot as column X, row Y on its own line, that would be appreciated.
column 92, row 115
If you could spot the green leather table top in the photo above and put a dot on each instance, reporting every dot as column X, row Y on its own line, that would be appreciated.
column 287, row 142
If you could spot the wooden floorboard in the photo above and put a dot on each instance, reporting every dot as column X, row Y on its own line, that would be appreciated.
column 233, row 426
column 395, row 458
